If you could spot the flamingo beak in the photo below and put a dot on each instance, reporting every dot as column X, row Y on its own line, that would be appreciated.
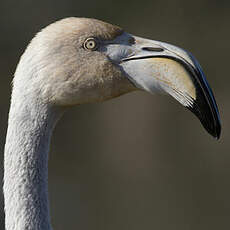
column 158, row 66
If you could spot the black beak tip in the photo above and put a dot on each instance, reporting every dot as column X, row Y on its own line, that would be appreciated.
column 205, row 106
column 217, row 131
column 208, row 116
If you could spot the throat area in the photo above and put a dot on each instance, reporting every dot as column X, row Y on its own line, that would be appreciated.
column 26, row 165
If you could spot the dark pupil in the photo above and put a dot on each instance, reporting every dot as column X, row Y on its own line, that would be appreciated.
column 91, row 44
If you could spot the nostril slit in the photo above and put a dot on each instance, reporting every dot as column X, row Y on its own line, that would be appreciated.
column 153, row 49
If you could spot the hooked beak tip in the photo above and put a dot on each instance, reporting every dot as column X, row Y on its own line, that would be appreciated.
column 211, row 123
column 205, row 106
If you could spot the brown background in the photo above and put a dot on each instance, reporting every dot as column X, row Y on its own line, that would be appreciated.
column 138, row 161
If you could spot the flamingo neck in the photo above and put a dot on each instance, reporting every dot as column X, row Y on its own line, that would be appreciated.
column 29, row 132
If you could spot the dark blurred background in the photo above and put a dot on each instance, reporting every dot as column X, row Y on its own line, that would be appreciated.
column 138, row 161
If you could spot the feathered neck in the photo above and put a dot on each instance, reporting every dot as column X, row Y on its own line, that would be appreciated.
column 29, row 131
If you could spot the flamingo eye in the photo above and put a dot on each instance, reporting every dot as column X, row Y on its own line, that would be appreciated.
column 90, row 44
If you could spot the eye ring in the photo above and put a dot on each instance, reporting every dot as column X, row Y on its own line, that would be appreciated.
column 90, row 44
